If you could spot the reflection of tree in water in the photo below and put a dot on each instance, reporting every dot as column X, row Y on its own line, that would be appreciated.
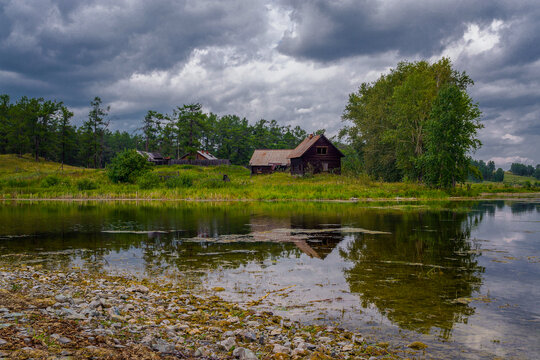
column 414, row 275
column 523, row 207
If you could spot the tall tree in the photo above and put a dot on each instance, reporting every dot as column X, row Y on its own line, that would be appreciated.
column 388, row 117
column 95, row 128
column 151, row 128
column 5, row 107
column 66, row 133
column 450, row 135
column 190, row 124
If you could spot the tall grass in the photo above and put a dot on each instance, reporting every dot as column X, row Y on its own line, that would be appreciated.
column 25, row 178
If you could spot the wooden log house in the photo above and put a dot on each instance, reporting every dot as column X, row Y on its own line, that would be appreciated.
column 315, row 154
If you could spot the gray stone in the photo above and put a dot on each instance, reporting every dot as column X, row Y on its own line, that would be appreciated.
column 13, row 315
column 3, row 342
column 61, row 339
column 202, row 351
column 228, row 343
column 163, row 347
column 280, row 349
column 61, row 298
column 244, row 354
column 248, row 335
column 138, row 288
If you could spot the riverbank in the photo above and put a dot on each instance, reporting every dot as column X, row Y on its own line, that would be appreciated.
column 22, row 178
column 81, row 315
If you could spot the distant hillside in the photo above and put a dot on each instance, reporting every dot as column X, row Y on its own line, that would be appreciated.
column 13, row 164
column 512, row 179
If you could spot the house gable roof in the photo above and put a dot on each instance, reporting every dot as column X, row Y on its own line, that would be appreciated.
column 204, row 154
column 307, row 143
column 268, row 157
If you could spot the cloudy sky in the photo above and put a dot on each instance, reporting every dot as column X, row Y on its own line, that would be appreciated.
column 292, row 61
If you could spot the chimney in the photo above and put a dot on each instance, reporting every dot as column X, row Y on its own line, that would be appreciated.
column 311, row 136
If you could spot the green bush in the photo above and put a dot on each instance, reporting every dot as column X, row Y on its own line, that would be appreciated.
column 148, row 181
column 86, row 184
column 50, row 181
column 127, row 166
column 182, row 181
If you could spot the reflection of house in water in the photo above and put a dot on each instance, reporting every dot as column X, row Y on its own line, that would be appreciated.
column 287, row 229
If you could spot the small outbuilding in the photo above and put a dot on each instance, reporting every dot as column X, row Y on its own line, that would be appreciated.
column 266, row 161
column 155, row 157
column 314, row 155
column 199, row 155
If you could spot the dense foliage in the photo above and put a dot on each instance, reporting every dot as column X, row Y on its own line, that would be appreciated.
column 522, row 169
column 127, row 166
column 396, row 124
column 188, row 129
column 43, row 128
column 485, row 171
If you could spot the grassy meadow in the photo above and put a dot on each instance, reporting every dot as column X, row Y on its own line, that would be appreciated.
column 24, row 178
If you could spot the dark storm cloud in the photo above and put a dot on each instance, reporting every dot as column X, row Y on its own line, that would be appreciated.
column 72, row 44
column 290, row 60
column 507, row 75
column 329, row 30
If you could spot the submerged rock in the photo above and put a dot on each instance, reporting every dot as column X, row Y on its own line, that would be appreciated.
column 417, row 345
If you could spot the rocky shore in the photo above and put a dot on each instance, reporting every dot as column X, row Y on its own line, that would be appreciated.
column 77, row 314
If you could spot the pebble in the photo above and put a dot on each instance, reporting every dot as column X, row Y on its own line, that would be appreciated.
column 280, row 349
column 244, row 354
column 170, row 320
column 248, row 335
column 138, row 288
column 228, row 343
column 61, row 339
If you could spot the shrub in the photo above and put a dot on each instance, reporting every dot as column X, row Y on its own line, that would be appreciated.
column 127, row 166
column 181, row 181
column 148, row 181
column 50, row 181
column 86, row 184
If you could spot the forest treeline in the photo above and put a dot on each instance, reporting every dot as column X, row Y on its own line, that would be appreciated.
column 525, row 170
column 485, row 172
column 44, row 129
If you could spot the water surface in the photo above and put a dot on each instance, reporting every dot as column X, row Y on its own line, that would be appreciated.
column 462, row 277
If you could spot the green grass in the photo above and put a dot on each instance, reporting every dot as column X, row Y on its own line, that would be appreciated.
column 25, row 178
column 512, row 179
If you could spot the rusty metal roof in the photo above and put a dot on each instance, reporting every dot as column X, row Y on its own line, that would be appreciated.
column 304, row 146
column 267, row 157
column 206, row 155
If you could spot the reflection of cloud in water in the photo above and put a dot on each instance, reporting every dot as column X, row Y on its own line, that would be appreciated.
column 513, row 237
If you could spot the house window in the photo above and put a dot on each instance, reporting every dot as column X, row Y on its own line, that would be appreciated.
column 322, row 150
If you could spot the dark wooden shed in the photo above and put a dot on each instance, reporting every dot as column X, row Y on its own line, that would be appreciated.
column 315, row 154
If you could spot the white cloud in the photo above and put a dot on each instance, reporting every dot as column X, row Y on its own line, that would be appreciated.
column 512, row 139
column 505, row 162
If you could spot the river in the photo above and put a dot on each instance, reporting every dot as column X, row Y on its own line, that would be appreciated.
column 462, row 277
